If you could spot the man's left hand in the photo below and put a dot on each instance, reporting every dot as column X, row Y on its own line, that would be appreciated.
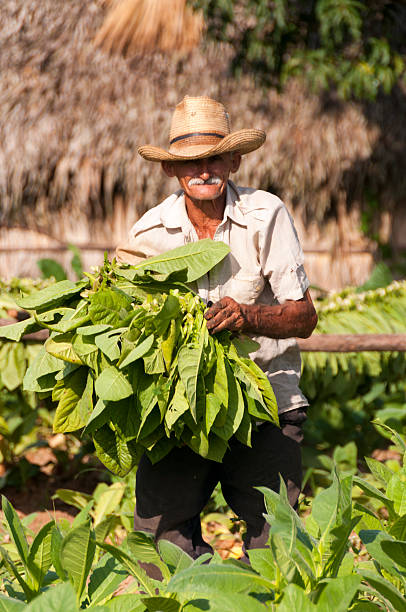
column 226, row 314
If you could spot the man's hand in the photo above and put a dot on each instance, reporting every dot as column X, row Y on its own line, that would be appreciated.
column 226, row 314
column 293, row 318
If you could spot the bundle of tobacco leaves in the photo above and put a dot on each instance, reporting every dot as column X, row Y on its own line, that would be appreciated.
column 129, row 361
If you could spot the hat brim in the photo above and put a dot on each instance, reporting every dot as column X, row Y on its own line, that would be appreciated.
column 242, row 141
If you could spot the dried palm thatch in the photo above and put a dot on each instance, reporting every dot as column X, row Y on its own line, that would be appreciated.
column 134, row 26
column 73, row 116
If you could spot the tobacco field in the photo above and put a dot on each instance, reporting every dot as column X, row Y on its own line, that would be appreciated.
column 132, row 342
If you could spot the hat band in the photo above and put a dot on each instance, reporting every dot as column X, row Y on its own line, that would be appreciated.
column 192, row 134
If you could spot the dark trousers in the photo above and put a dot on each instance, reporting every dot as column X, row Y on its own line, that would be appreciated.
column 171, row 494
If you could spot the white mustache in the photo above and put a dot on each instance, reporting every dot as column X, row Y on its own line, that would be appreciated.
column 212, row 180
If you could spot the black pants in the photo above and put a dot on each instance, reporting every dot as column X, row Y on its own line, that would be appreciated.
column 171, row 494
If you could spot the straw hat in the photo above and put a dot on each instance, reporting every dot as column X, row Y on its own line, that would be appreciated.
column 201, row 128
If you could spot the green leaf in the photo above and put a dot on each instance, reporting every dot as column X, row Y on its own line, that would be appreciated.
column 245, row 345
column 177, row 406
column 243, row 433
column 51, row 268
column 57, row 540
column 224, row 603
column 61, row 347
column 196, row 257
column 77, row 553
column 160, row 449
column 373, row 492
column 386, row 589
column 214, row 579
column 294, row 598
column 126, row 603
column 262, row 561
column 169, row 311
column 105, row 579
column 338, row 594
column 189, row 363
column 108, row 342
column 108, row 502
column 213, row 407
column 75, row 401
column 220, row 385
column 43, row 364
column 112, row 385
column 146, row 584
column 73, row 498
column 52, row 600
column 396, row 551
column 100, row 416
column 85, row 348
column 161, row 604
column 109, row 307
column 373, row 541
column 175, row 558
column 398, row 528
column 154, row 361
column 17, row 330
column 51, row 296
column 13, row 571
column 15, row 529
column 142, row 548
column 39, row 556
column 379, row 470
column 325, row 506
column 139, row 351
column 92, row 330
column 396, row 491
column 108, row 525
column 235, row 408
column 118, row 455
column 12, row 373
column 11, row 605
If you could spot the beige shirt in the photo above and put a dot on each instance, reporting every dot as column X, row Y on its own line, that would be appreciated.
column 265, row 266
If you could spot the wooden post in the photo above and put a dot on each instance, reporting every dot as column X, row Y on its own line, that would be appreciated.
column 349, row 343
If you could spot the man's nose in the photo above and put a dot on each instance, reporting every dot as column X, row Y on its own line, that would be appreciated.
column 204, row 171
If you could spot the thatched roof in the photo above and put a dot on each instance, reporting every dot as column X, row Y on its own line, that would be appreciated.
column 72, row 117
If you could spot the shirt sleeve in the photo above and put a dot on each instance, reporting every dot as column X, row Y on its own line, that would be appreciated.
column 144, row 240
column 130, row 253
column 282, row 257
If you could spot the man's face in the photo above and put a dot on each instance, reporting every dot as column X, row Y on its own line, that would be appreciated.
column 204, row 179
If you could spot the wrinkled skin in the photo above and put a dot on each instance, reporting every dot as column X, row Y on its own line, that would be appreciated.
column 294, row 318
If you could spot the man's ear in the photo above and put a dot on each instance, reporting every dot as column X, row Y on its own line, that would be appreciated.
column 235, row 161
column 168, row 168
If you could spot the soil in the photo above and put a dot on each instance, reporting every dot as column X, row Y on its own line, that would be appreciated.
column 36, row 495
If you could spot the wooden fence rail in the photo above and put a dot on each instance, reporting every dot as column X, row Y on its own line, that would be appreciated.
column 353, row 343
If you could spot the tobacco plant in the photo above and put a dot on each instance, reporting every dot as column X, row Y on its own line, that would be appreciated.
column 130, row 361
column 310, row 564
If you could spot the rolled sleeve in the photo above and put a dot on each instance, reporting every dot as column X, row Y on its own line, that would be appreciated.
column 282, row 257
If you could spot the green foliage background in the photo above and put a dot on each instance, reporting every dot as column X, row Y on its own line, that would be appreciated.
column 355, row 46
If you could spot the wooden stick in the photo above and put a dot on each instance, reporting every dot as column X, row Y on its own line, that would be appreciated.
column 349, row 343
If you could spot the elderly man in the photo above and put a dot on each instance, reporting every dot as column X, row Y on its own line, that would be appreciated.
column 260, row 289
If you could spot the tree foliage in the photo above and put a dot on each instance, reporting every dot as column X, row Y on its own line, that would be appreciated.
column 355, row 46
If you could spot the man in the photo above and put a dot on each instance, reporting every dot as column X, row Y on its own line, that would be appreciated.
column 260, row 289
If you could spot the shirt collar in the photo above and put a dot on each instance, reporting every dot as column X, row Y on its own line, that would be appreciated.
column 175, row 215
column 232, row 209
